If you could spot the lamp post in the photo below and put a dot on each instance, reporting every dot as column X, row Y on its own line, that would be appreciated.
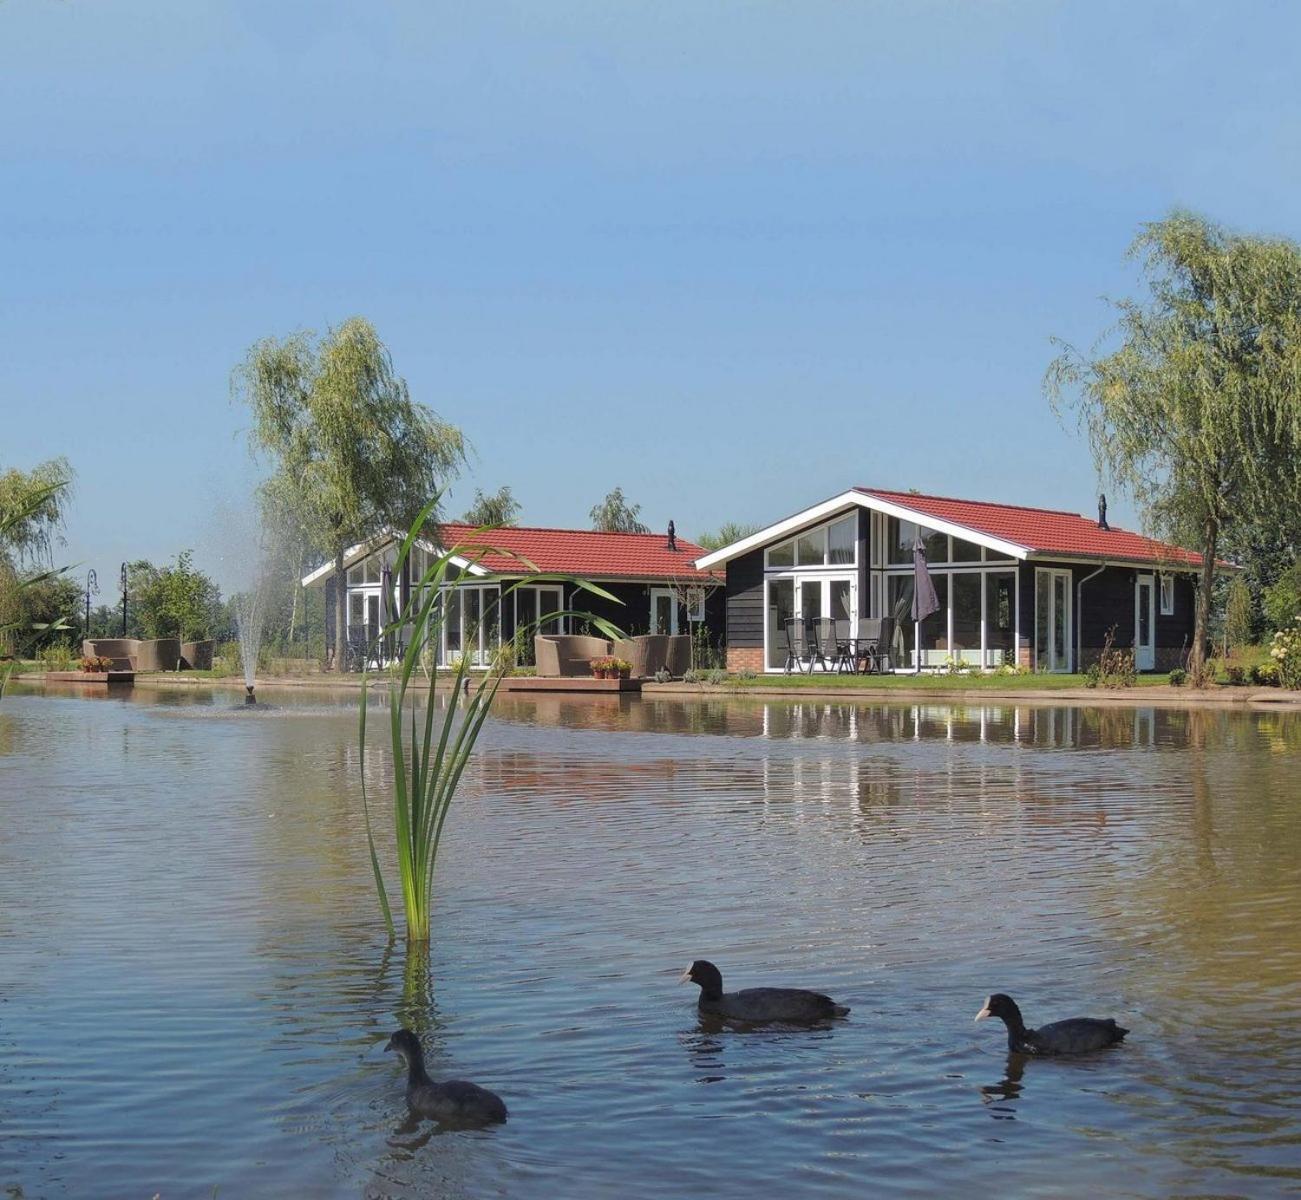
column 92, row 585
column 124, row 599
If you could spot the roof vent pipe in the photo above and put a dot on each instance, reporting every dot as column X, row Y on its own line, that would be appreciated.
column 673, row 537
column 1102, row 511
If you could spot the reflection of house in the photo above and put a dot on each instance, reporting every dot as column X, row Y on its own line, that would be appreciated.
column 654, row 577
column 1030, row 585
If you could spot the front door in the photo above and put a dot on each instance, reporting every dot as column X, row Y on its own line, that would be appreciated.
column 1145, row 623
column 664, row 610
column 1052, row 620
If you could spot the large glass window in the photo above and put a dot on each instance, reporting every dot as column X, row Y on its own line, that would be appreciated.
column 841, row 599
column 811, row 548
column 966, row 617
column 899, row 603
column 899, row 538
column 782, row 556
column 1000, row 618
column 965, row 552
column 935, row 628
column 842, row 540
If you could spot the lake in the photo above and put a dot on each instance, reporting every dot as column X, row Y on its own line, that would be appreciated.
column 196, row 986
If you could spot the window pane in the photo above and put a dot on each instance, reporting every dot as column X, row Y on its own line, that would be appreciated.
column 551, row 600
column 491, row 622
column 781, row 607
column 1000, row 618
column 840, row 608
column 843, row 538
column 899, row 603
column 453, row 624
column 354, row 576
column 935, row 643
column 526, row 611
column 811, row 599
column 965, row 551
column 937, row 546
column 966, row 617
column 1043, row 606
column 782, row 556
column 899, row 538
column 356, row 608
column 810, row 548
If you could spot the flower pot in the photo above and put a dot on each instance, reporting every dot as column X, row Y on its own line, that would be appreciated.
column 625, row 672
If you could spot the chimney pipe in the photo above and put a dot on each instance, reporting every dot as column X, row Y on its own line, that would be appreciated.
column 673, row 537
column 1102, row 511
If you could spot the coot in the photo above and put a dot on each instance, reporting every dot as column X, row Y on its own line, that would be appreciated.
column 1078, row 1035
column 758, row 1004
column 453, row 1101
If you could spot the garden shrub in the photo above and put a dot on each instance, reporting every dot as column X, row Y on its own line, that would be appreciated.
column 1178, row 677
column 1285, row 650
column 1265, row 674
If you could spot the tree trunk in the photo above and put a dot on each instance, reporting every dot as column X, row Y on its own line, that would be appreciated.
column 1202, row 622
column 340, row 613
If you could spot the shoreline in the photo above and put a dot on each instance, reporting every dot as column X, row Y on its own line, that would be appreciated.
column 1158, row 695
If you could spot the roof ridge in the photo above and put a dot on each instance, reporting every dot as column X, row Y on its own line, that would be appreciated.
column 1060, row 512
column 562, row 529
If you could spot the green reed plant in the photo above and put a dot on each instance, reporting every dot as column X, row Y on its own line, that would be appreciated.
column 432, row 745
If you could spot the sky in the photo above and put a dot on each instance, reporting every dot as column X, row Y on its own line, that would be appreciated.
column 732, row 257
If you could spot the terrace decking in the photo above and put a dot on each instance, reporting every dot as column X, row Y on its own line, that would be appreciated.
column 568, row 683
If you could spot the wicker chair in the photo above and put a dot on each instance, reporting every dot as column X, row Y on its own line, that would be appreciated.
column 566, row 654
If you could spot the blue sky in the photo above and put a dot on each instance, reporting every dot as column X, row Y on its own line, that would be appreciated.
column 730, row 256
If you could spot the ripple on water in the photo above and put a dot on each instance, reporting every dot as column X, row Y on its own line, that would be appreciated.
column 195, row 990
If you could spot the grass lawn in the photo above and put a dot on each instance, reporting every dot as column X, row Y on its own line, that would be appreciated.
column 924, row 682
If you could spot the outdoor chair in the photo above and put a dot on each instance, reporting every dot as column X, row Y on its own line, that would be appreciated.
column 567, row 654
column 796, row 646
column 828, row 649
column 870, row 648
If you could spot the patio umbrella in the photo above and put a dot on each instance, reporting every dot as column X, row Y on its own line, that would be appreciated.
column 925, row 601
column 385, row 591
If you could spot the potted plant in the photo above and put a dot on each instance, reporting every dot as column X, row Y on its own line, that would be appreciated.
column 603, row 666
column 95, row 664
column 621, row 668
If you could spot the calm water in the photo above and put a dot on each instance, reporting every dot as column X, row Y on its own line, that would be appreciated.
column 195, row 986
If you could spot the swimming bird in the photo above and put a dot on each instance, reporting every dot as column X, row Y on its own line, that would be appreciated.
column 1078, row 1035
column 453, row 1101
column 758, row 1004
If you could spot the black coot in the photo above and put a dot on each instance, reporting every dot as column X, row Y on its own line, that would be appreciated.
column 1075, row 1036
column 758, row 1004
column 452, row 1102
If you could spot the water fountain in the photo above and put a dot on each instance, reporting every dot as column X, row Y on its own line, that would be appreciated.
column 248, row 621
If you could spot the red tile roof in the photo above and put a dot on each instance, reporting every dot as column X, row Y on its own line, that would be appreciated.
column 579, row 552
column 1041, row 530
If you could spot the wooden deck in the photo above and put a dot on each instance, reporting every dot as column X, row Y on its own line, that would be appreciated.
column 101, row 678
column 567, row 683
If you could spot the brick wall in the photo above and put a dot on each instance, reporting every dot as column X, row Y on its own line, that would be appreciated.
column 745, row 658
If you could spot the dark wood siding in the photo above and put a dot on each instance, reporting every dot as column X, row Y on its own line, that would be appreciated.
column 745, row 600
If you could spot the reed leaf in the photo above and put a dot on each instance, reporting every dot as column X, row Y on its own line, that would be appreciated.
column 431, row 749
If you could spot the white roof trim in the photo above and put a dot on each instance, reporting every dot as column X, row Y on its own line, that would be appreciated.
column 857, row 499
column 361, row 550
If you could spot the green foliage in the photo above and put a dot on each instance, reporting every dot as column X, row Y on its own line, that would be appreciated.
column 1283, row 599
column 430, row 744
column 501, row 508
column 351, row 452
column 32, row 505
column 1113, row 668
column 725, row 535
column 1197, row 413
column 1265, row 674
column 1237, row 613
column 1285, row 650
column 1178, row 676
column 176, row 600
column 615, row 515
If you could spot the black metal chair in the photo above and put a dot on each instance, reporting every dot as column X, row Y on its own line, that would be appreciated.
column 796, row 646
column 868, row 649
column 827, row 648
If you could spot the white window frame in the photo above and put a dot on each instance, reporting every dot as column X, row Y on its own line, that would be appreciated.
column 1166, row 584
column 823, row 534
column 672, row 595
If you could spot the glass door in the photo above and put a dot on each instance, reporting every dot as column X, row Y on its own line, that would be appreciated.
column 1052, row 620
column 663, row 611
column 1145, row 623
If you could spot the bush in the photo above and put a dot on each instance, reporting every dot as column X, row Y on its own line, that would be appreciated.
column 1285, row 650
column 1234, row 675
column 663, row 675
column 745, row 674
column 691, row 675
column 716, row 676
column 1113, row 668
column 59, row 657
column 1178, row 677
column 1265, row 674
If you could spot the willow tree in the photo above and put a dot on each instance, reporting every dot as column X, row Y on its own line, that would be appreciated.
column 351, row 451
column 1195, row 409
column 616, row 515
column 500, row 508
